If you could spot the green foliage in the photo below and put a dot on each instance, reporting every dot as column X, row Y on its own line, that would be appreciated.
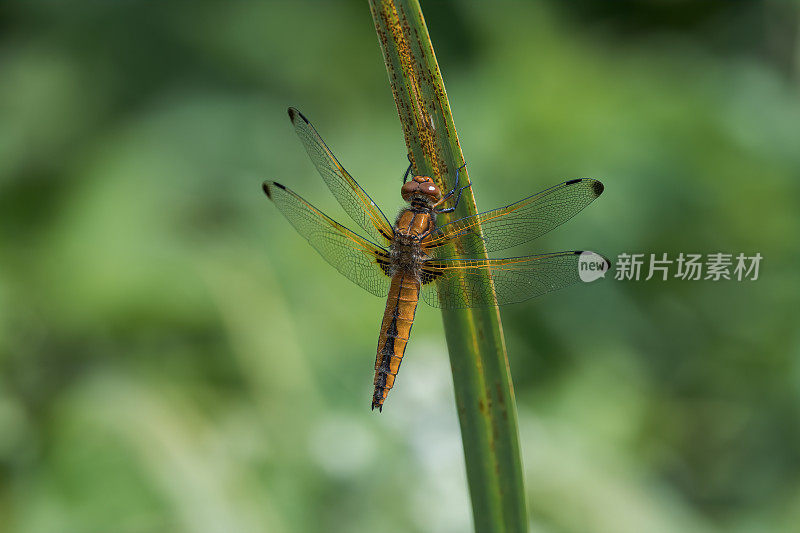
column 174, row 358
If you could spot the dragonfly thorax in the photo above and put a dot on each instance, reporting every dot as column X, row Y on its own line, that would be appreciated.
column 412, row 224
column 406, row 255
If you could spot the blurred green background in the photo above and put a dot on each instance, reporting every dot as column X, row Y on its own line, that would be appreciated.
column 173, row 357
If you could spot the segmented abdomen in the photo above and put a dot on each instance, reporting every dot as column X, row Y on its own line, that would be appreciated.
column 395, row 332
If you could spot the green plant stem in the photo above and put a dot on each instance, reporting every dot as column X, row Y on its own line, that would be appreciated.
column 481, row 378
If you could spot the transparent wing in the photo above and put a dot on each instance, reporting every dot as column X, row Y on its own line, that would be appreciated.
column 355, row 201
column 358, row 259
column 517, row 223
column 459, row 283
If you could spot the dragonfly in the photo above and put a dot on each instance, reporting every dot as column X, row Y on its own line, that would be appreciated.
column 444, row 265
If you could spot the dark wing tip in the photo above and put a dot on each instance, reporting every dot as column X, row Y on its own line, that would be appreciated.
column 597, row 186
column 266, row 186
column 606, row 259
column 294, row 113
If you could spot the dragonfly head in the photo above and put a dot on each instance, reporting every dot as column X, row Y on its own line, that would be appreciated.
column 421, row 186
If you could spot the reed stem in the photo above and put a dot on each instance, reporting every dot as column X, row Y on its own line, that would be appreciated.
column 481, row 378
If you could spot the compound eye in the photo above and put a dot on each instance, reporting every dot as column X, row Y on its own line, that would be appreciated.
column 408, row 189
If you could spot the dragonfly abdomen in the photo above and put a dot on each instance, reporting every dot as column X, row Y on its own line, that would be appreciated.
column 398, row 317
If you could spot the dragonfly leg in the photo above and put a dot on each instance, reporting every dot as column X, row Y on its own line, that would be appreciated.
column 457, row 171
column 458, row 199
column 452, row 191
column 408, row 170
column 446, row 196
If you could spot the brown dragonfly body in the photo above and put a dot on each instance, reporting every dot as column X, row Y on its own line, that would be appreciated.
column 413, row 259
column 407, row 257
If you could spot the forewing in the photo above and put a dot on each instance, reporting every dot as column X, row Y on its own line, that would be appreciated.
column 355, row 201
column 360, row 260
column 514, row 224
column 460, row 283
